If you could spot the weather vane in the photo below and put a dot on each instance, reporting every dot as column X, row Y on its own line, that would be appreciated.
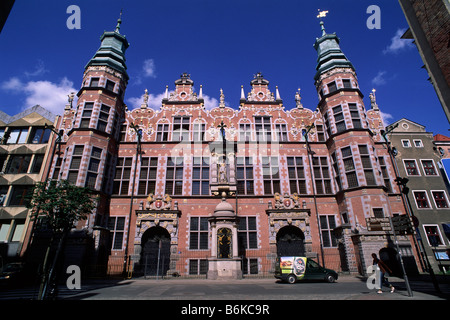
column 322, row 14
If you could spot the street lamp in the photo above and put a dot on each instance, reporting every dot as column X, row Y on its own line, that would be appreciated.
column 138, row 153
column 310, row 154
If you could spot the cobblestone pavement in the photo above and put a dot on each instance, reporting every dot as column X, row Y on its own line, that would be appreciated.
column 346, row 288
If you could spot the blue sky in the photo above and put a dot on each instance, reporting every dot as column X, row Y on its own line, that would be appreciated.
column 222, row 44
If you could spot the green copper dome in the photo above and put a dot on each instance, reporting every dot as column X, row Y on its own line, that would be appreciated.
column 329, row 53
column 112, row 51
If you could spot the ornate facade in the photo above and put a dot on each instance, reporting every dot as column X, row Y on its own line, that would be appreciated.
column 183, row 188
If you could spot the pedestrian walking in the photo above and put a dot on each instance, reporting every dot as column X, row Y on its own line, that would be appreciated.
column 384, row 272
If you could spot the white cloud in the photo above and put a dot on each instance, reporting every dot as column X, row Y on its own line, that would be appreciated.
column 379, row 79
column 386, row 117
column 149, row 68
column 13, row 84
column 397, row 43
column 38, row 70
column 49, row 95
column 154, row 101
column 210, row 103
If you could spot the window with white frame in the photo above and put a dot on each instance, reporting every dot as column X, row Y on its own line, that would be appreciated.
column 116, row 226
column 245, row 132
column 162, row 132
column 421, row 199
column 103, row 117
column 339, row 119
column 86, row 115
column 418, row 143
column 147, row 175
column 198, row 266
column 174, row 176
column 247, row 233
column 349, row 166
column 75, row 164
column 181, row 126
column 322, row 178
column 440, row 199
column 200, row 176
column 198, row 233
column 428, row 168
column 406, row 143
column 354, row 113
column 327, row 225
column 244, row 175
column 385, row 174
column 94, row 165
column 122, row 175
column 199, row 131
column 320, row 132
column 250, row 265
column 411, row 168
column 281, row 132
column 263, row 129
column 367, row 165
column 433, row 235
column 271, row 175
column 296, row 174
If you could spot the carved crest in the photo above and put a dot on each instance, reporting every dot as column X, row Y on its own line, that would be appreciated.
column 286, row 201
column 158, row 202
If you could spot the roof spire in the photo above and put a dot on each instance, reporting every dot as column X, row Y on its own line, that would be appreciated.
column 322, row 14
column 119, row 22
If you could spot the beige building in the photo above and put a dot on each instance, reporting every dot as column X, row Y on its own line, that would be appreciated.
column 24, row 148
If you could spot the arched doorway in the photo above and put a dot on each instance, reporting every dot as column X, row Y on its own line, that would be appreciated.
column 290, row 242
column 155, row 253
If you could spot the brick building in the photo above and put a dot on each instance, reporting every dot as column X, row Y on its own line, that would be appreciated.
column 190, row 191
column 429, row 26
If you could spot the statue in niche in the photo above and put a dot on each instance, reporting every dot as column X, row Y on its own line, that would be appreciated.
column 222, row 172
